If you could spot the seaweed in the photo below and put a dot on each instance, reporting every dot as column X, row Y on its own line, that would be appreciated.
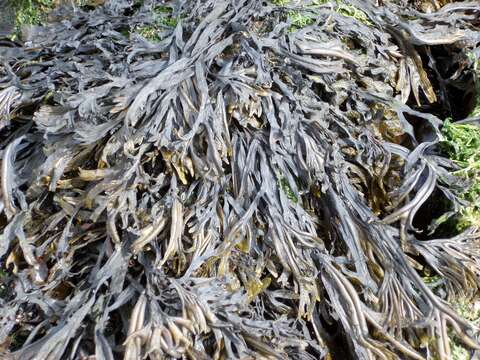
column 230, row 186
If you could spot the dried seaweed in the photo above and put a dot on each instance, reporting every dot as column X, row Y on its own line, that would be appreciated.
column 231, row 186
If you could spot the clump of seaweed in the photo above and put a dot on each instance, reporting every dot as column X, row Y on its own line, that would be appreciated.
column 232, row 186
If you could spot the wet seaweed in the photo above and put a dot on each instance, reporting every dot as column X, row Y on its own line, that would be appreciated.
column 233, row 187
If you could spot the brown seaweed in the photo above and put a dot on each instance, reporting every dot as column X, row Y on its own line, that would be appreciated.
column 235, row 188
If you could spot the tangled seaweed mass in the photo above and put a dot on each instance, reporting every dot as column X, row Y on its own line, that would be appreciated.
column 247, row 185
